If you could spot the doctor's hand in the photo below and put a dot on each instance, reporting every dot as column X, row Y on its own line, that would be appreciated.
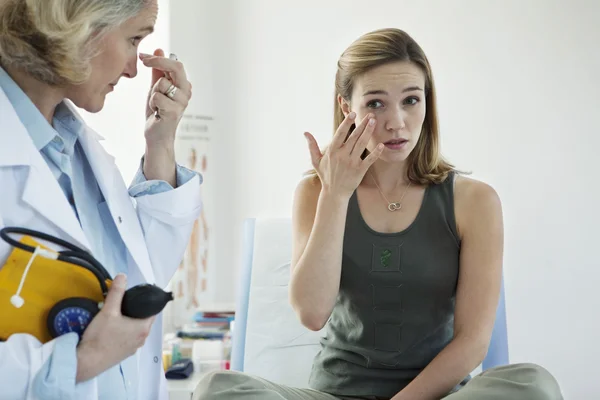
column 110, row 337
column 168, row 98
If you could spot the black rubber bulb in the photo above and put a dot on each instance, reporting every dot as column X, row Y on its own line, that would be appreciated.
column 144, row 301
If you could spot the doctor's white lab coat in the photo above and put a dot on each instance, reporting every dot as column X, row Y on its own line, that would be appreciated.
column 155, row 230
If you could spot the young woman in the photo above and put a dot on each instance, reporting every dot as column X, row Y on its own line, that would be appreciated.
column 398, row 255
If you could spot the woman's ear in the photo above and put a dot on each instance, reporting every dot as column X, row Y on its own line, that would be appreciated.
column 344, row 105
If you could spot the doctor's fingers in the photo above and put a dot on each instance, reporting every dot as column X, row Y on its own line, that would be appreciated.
column 172, row 67
column 144, row 329
column 167, row 108
column 163, row 85
column 112, row 303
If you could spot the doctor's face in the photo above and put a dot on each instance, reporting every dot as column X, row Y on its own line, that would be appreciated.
column 116, row 58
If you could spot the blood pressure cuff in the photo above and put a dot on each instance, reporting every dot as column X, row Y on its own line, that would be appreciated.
column 47, row 282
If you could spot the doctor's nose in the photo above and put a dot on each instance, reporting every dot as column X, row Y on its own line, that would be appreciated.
column 130, row 70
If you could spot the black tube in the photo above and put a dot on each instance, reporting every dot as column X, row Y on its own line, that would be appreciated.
column 75, row 255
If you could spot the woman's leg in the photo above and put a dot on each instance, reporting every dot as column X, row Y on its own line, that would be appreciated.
column 230, row 385
column 514, row 382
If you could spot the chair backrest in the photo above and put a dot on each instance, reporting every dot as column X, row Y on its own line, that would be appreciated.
column 267, row 335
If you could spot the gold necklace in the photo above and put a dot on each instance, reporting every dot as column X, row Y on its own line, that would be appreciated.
column 392, row 206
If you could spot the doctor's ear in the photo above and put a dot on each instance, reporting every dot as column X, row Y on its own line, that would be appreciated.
column 344, row 105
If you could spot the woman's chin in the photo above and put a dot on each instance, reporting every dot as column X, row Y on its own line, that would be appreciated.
column 394, row 156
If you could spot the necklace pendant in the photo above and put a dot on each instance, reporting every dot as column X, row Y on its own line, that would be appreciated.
column 394, row 206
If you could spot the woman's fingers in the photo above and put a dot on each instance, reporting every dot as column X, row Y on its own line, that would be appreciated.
column 362, row 139
column 315, row 152
column 342, row 131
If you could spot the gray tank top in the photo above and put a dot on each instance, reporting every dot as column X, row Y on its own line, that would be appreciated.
column 395, row 308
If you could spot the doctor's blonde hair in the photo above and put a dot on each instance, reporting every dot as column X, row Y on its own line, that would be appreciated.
column 54, row 40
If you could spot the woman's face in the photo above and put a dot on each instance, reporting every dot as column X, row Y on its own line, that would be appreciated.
column 394, row 94
column 117, row 57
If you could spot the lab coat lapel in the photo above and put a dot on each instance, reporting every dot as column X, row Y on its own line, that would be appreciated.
column 117, row 197
column 41, row 190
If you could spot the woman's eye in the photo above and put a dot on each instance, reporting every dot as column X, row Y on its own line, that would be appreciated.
column 411, row 101
column 374, row 104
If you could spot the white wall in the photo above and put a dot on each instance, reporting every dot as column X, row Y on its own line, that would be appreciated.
column 518, row 91
column 199, row 33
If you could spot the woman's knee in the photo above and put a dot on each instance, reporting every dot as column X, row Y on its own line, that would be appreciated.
column 219, row 382
column 543, row 385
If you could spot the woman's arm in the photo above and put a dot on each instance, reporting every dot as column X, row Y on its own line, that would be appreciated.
column 479, row 220
column 318, row 221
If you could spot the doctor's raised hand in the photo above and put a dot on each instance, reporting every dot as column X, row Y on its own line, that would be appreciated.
column 57, row 179
column 168, row 98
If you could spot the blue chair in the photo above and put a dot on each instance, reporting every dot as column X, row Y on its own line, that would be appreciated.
column 497, row 354
column 274, row 236
column 238, row 345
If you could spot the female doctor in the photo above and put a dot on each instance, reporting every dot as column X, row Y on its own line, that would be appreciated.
column 56, row 178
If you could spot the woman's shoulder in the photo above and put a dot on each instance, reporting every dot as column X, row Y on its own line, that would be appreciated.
column 468, row 189
column 473, row 200
column 309, row 186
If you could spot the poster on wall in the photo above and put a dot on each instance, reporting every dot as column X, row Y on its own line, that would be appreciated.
column 193, row 283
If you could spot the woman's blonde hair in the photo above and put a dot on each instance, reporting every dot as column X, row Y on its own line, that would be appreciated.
column 426, row 164
column 53, row 40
